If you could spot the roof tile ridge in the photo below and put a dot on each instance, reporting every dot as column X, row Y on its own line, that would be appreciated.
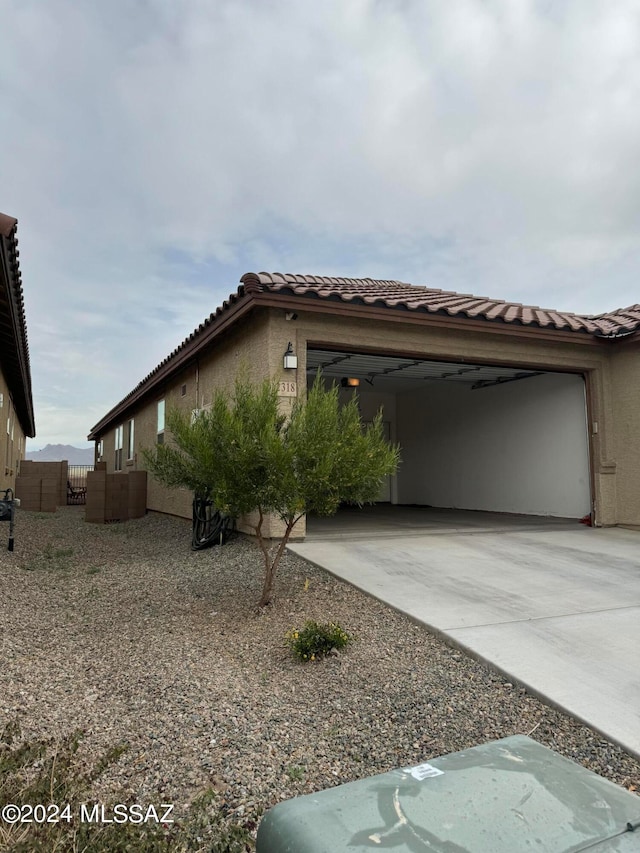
column 267, row 278
column 617, row 312
column 256, row 282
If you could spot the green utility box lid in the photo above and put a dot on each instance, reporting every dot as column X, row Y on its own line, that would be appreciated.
column 507, row 796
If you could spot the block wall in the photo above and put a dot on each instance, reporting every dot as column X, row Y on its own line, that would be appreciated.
column 115, row 497
column 42, row 486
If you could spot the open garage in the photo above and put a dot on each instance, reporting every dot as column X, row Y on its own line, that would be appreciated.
column 498, row 407
column 504, row 439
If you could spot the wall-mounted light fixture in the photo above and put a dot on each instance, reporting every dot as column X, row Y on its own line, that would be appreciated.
column 290, row 360
column 350, row 382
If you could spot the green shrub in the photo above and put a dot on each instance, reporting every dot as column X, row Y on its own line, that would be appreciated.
column 315, row 641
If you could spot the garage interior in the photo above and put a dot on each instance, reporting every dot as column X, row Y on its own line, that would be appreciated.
column 480, row 444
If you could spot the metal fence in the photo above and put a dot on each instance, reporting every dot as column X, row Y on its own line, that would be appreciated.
column 77, row 483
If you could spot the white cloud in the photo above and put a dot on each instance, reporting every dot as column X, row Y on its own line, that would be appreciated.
column 488, row 147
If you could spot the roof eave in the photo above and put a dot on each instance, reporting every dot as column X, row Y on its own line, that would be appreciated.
column 11, row 282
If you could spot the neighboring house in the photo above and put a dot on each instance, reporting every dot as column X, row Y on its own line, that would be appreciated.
column 16, row 403
column 496, row 406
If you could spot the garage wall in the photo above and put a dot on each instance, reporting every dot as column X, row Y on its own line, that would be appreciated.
column 520, row 447
column 626, row 448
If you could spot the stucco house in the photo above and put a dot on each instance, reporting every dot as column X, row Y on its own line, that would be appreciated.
column 496, row 406
column 16, row 401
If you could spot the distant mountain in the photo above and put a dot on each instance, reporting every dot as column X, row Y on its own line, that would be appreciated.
column 60, row 452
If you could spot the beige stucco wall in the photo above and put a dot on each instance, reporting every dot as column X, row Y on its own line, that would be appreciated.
column 11, row 451
column 245, row 349
column 145, row 417
column 625, row 375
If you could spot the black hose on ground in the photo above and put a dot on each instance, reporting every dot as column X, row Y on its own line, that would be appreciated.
column 210, row 526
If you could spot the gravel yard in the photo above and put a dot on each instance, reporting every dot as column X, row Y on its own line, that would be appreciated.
column 123, row 631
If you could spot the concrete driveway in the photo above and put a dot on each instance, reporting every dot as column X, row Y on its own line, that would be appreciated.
column 554, row 606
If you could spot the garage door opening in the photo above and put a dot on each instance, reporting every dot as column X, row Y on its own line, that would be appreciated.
column 474, row 437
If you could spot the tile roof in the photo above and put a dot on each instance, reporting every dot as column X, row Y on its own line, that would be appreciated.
column 13, row 327
column 411, row 297
column 375, row 293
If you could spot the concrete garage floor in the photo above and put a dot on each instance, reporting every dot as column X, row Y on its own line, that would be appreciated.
column 389, row 520
column 553, row 604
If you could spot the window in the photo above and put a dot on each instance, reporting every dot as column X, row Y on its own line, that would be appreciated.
column 130, row 442
column 118, row 456
column 99, row 451
column 160, row 422
column 183, row 391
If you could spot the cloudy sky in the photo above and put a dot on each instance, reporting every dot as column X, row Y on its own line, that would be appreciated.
column 155, row 150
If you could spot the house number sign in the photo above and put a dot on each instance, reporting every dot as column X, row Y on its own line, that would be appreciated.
column 287, row 388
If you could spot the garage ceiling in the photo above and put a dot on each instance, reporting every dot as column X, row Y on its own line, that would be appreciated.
column 398, row 374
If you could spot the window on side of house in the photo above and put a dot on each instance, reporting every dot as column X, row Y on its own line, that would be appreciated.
column 118, row 447
column 99, row 451
column 130, row 439
column 160, row 436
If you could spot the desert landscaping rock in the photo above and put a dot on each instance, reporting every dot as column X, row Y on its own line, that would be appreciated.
column 124, row 632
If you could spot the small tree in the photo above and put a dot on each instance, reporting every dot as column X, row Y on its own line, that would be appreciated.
column 245, row 456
